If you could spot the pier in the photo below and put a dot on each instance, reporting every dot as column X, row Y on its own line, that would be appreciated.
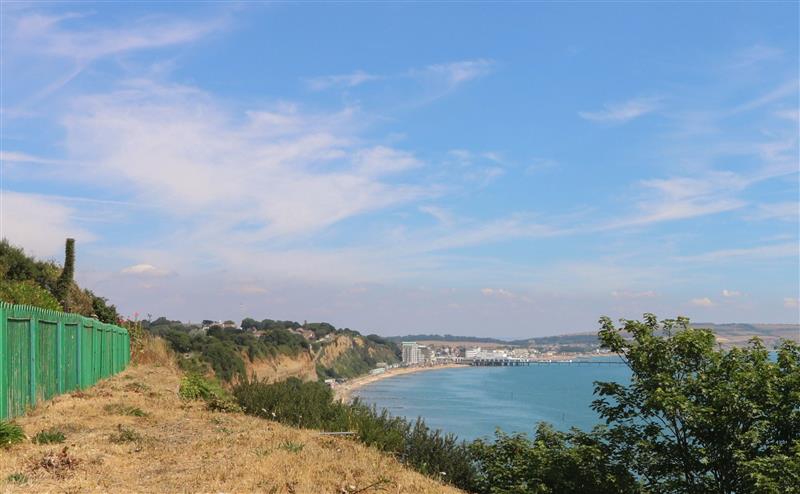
column 511, row 362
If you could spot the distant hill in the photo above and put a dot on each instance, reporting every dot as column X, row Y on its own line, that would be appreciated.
column 448, row 337
column 728, row 335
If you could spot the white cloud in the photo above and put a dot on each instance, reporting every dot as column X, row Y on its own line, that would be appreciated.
column 17, row 157
column 179, row 151
column 774, row 251
column 48, row 35
column 382, row 160
column 38, row 223
column 702, row 302
column 791, row 302
column 754, row 55
column 456, row 73
column 731, row 293
column 353, row 79
column 784, row 211
column 623, row 111
column 788, row 88
column 145, row 270
column 630, row 294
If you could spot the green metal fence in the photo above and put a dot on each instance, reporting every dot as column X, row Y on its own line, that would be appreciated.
column 44, row 353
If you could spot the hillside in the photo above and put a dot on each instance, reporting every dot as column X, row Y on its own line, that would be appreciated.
column 180, row 446
column 274, row 350
column 349, row 355
column 728, row 335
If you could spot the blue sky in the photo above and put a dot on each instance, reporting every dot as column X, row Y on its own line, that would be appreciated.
column 511, row 170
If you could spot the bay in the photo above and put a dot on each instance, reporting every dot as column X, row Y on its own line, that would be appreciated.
column 473, row 401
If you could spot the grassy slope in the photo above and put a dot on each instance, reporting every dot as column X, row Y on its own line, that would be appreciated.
column 187, row 448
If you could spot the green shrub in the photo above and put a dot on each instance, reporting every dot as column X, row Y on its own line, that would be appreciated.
column 198, row 387
column 311, row 405
column 49, row 436
column 27, row 292
column 10, row 433
column 17, row 478
column 292, row 447
column 123, row 409
column 125, row 435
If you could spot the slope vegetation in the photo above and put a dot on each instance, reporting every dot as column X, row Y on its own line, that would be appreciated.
column 132, row 433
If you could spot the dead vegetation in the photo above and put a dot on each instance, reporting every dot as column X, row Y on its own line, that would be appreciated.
column 185, row 447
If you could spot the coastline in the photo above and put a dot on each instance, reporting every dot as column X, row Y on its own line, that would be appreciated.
column 344, row 392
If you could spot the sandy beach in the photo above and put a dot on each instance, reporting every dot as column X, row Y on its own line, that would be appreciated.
column 344, row 391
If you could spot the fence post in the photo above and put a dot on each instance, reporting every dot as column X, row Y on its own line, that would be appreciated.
column 32, row 328
column 60, row 353
column 4, row 363
column 79, row 363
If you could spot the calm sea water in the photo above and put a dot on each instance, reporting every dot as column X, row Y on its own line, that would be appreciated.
column 472, row 402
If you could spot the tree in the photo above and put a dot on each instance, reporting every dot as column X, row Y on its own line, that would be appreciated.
column 697, row 419
column 553, row 462
column 68, row 273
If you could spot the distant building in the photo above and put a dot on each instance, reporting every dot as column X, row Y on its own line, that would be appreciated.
column 472, row 352
column 412, row 353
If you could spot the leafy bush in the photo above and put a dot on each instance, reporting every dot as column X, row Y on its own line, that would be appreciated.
column 49, row 436
column 123, row 409
column 17, row 478
column 10, row 433
column 124, row 435
column 27, row 293
column 292, row 447
column 553, row 462
column 198, row 387
column 311, row 405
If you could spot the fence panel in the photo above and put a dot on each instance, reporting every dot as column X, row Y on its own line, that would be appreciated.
column 46, row 360
column 69, row 362
column 44, row 353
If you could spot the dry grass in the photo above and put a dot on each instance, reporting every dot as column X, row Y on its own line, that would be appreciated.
column 182, row 447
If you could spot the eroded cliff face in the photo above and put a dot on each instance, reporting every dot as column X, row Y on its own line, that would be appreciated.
column 338, row 347
column 282, row 367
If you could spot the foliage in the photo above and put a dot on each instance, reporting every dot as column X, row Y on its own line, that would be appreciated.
column 197, row 387
column 66, row 279
column 17, row 478
column 292, row 446
column 10, row 433
column 27, row 292
column 697, row 419
column 311, row 405
column 124, row 435
column 552, row 462
column 123, row 409
column 49, row 436
column 25, row 280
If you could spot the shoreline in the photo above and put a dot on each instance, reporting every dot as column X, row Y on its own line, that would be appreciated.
column 344, row 392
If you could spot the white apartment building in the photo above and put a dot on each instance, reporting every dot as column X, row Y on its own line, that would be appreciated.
column 412, row 353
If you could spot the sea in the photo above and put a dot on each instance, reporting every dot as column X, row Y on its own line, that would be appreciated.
column 473, row 402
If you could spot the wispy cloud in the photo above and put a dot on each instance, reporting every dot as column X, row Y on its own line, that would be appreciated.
column 144, row 269
column 285, row 173
column 731, row 293
column 456, row 73
column 17, row 157
column 755, row 54
column 43, row 37
column 788, row 88
column 702, row 302
column 632, row 294
column 38, row 222
column 622, row 112
column 352, row 79
column 783, row 211
column 775, row 251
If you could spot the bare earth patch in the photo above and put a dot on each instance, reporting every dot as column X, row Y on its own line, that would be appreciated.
column 179, row 446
